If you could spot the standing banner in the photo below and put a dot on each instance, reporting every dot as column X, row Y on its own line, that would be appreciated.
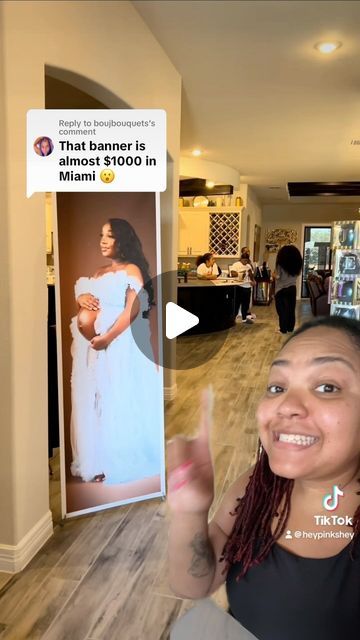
column 111, row 384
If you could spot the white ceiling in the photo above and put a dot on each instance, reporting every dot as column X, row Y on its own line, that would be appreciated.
column 257, row 96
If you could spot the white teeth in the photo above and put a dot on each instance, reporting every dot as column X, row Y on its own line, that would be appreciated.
column 294, row 438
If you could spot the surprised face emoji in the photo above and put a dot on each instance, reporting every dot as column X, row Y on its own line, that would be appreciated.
column 107, row 175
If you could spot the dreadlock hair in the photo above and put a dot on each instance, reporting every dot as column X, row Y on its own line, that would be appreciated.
column 268, row 496
column 251, row 538
column 129, row 249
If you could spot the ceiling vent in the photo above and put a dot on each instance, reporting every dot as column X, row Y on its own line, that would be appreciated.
column 310, row 189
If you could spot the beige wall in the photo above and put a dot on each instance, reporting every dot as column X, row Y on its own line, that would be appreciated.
column 296, row 215
column 254, row 210
column 109, row 43
column 6, row 444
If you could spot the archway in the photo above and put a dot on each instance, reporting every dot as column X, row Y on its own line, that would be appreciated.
column 65, row 89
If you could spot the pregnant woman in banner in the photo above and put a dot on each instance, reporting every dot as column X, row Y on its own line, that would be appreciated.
column 116, row 389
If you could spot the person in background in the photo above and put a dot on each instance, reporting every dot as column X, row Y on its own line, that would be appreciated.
column 245, row 253
column 287, row 268
column 280, row 585
column 207, row 268
column 243, row 270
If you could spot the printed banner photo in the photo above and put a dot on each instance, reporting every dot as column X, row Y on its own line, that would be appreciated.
column 111, row 385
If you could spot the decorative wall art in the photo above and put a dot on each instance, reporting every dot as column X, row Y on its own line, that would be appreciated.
column 276, row 238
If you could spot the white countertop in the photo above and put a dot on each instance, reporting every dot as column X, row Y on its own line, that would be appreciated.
column 221, row 282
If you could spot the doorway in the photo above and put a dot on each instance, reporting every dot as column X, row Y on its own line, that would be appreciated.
column 316, row 252
column 61, row 94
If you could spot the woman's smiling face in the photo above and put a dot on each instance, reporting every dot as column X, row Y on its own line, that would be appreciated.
column 309, row 418
column 45, row 146
column 107, row 242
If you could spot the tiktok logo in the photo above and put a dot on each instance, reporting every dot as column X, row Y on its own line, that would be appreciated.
column 331, row 500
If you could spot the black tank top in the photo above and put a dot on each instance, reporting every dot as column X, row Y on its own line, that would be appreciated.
column 288, row 597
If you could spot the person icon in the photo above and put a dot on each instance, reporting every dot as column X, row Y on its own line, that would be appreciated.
column 43, row 146
column 288, row 535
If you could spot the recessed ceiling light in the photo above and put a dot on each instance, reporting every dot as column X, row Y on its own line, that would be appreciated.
column 196, row 152
column 274, row 187
column 327, row 47
column 210, row 184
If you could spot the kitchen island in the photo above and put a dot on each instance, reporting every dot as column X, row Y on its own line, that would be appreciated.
column 215, row 302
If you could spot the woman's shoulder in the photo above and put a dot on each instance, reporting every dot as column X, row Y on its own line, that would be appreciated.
column 133, row 270
column 134, row 276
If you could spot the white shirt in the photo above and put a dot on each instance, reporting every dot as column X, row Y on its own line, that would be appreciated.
column 203, row 270
column 244, row 272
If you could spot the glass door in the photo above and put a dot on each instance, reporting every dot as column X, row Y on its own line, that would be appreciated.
column 316, row 252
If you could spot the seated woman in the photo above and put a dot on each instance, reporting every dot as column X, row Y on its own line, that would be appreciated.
column 207, row 268
column 286, row 537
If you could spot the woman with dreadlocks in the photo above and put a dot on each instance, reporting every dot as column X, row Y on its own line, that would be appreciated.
column 115, row 433
column 286, row 538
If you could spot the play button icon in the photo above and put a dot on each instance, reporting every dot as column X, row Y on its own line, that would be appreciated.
column 178, row 320
column 189, row 321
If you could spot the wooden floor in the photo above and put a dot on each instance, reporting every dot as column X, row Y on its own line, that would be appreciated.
column 104, row 576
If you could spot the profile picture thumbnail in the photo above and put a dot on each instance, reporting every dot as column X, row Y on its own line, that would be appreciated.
column 43, row 146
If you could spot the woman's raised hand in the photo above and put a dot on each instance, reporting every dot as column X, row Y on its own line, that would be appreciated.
column 190, row 467
column 88, row 301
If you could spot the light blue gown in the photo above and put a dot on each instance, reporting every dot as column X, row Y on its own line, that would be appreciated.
column 117, row 393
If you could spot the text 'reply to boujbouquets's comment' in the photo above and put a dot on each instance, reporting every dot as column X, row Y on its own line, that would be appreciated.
column 96, row 150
